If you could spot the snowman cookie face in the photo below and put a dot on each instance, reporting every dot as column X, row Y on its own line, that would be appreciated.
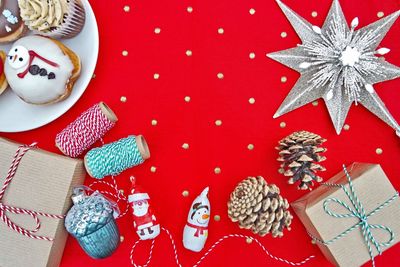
column 37, row 70
column 18, row 57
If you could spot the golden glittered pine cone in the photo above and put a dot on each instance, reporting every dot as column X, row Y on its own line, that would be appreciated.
column 257, row 206
column 300, row 157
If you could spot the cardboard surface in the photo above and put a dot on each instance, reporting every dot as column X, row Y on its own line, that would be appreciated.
column 43, row 182
column 372, row 188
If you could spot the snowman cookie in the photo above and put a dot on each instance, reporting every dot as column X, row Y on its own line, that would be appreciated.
column 41, row 70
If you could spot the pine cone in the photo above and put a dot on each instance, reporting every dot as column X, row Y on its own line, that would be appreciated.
column 300, row 156
column 257, row 206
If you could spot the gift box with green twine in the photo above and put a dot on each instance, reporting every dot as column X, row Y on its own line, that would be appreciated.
column 354, row 216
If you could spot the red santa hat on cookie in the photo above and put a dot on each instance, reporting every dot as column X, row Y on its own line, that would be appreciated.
column 137, row 193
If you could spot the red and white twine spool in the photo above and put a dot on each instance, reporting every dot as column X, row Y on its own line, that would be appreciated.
column 4, row 209
column 86, row 130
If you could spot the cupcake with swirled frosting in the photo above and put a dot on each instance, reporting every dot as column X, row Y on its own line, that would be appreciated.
column 53, row 18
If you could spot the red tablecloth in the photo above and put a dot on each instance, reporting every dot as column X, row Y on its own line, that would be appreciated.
column 214, row 99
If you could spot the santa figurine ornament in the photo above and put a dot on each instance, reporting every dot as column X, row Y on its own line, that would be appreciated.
column 196, row 229
column 144, row 221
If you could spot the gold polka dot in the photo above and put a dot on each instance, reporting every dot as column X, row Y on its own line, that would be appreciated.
column 217, row 218
column 379, row 151
column 121, row 191
column 189, row 53
column 252, row 55
column 127, row 8
column 125, row 53
column 313, row 242
column 250, row 146
column 157, row 30
column 156, row 76
column 121, row 238
column 252, row 11
column 218, row 122
column 185, row 193
column 123, row 99
column 283, row 34
column 154, row 122
column 217, row 170
column 189, row 9
column 220, row 75
column 185, row 146
column 93, row 76
column 252, row 100
column 282, row 124
column 380, row 14
column 249, row 240
column 315, row 103
column 153, row 169
column 281, row 170
column 221, row 31
column 314, row 14
column 283, row 79
column 346, row 127
column 187, row 99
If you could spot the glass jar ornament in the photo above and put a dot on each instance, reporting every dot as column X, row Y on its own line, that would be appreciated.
column 92, row 222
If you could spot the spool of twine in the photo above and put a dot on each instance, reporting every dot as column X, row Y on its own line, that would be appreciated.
column 87, row 129
column 116, row 157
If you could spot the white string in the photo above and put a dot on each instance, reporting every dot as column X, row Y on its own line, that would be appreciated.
column 211, row 249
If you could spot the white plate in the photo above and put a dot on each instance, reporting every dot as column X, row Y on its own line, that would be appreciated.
column 18, row 116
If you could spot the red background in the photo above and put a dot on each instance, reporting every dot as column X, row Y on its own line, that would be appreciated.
column 225, row 99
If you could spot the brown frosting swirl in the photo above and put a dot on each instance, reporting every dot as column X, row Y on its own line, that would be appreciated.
column 43, row 15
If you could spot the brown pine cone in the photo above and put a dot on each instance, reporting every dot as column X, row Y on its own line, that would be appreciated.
column 257, row 206
column 300, row 156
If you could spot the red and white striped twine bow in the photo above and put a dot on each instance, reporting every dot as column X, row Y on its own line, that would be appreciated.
column 7, row 208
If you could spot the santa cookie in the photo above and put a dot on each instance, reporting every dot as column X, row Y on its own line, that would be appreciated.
column 41, row 70
column 144, row 221
column 3, row 80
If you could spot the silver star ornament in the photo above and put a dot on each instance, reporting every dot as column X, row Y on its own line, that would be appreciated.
column 339, row 64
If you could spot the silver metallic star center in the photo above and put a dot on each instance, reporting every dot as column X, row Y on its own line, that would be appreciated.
column 350, row 56
column 341, row 58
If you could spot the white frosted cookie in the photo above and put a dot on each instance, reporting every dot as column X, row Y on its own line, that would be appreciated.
column 41, row 70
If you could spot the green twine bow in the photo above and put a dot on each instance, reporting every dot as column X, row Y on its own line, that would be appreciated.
column 358, row 212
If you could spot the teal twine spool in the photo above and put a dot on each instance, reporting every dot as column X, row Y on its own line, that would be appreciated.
column 356, row 210
column 116, row 157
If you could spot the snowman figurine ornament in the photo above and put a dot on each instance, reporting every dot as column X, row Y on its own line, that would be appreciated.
column 144, row 221
column 196, row 229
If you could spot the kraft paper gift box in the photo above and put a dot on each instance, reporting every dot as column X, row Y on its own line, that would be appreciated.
column 372, row 188
column 43, row 183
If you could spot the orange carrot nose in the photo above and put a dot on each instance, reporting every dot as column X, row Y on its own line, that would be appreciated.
column 15, row 58
column 205, row 216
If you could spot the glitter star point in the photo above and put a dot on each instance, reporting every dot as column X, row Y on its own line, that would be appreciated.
column 339, row 64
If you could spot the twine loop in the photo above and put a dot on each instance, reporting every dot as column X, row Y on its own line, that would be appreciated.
column 4, row 209
column 357, row 211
